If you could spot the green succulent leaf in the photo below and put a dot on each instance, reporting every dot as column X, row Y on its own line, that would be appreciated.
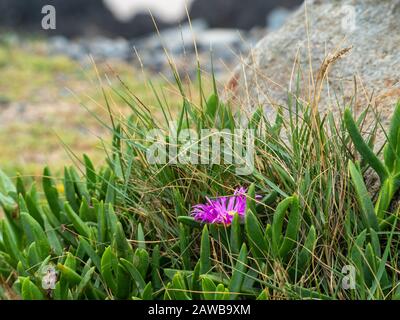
column 238, row 274
column 363, row 148
column 30, row 291
column 367, row 208
column 109, row 266
column 205, row 252
column 76, row 221
column 35, row 233
column 255, row 235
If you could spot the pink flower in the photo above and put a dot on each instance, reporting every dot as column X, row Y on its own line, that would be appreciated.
column 221, row 210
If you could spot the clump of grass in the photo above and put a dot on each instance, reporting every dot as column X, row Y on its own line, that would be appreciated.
column 125, row 231
column 305, row 159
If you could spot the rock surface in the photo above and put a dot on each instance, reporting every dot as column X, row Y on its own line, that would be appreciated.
column 348, row 44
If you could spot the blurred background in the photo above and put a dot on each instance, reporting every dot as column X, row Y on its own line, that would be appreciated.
column 49, row 87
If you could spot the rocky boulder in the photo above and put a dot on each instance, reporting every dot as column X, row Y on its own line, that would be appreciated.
column 338, row 48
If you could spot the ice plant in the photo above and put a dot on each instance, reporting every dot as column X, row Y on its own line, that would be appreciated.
column 221, row 210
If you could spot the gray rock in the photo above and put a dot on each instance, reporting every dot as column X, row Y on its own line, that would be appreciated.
column 61, row 45
column 104, row 48
column 99, row 48
column 175, row 40
column 277, row 18
column 223, row 42
column 357, row 41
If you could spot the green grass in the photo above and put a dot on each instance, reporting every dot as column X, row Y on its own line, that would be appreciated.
column 128, row 233
column 25, row 73
column 124, row 231
column 40, row 105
